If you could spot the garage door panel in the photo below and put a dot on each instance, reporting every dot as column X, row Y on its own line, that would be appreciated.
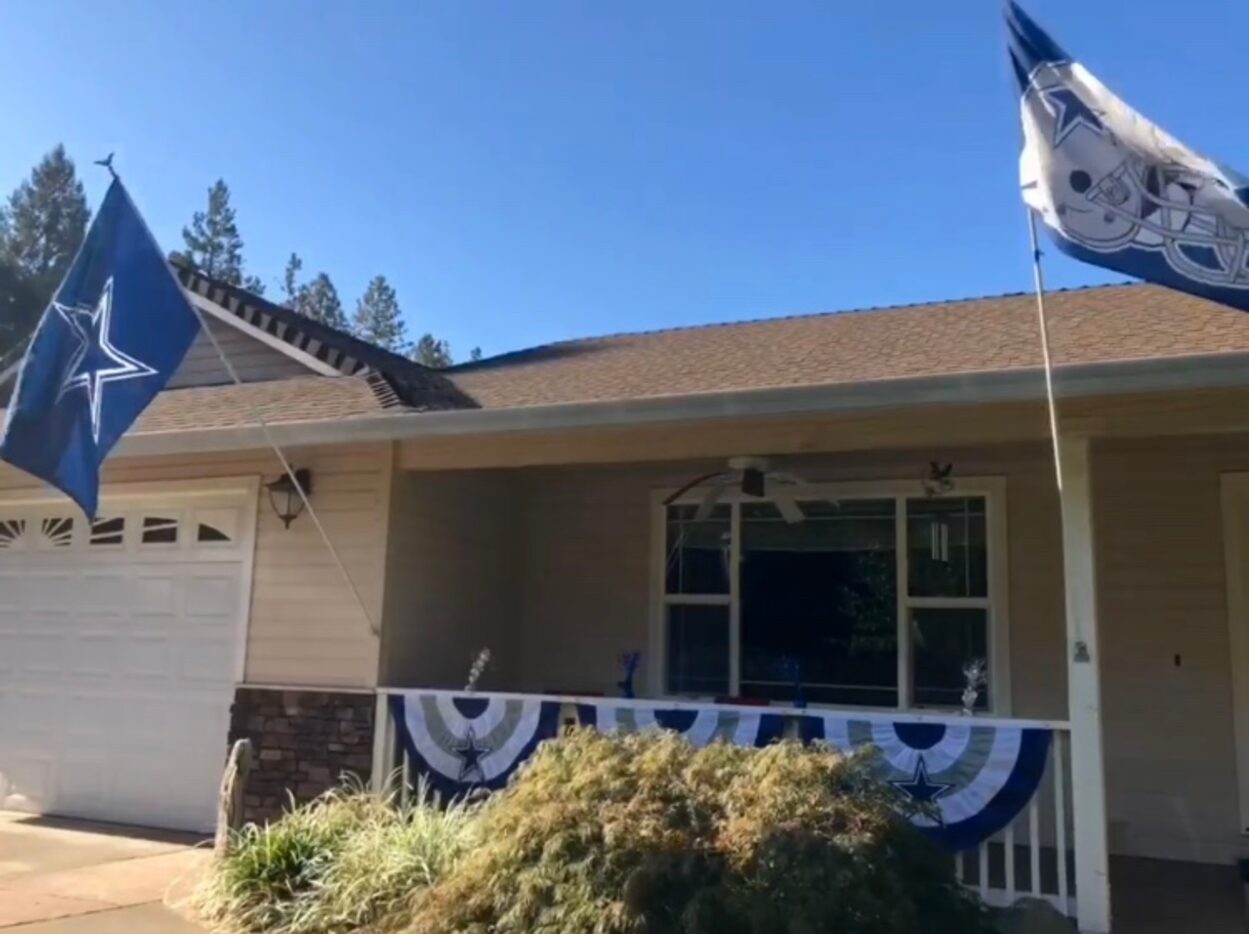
column 26, row 778
column 117, row 661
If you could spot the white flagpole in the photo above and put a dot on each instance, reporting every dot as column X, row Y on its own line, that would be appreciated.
column 259, row 419
column 1038, row 280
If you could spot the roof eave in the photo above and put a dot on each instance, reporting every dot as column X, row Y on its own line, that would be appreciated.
column 1158, row 374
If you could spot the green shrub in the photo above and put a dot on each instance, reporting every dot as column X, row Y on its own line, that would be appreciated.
column 647, row 835
column 347, row 861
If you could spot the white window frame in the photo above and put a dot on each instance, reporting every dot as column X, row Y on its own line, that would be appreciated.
column 991, row 489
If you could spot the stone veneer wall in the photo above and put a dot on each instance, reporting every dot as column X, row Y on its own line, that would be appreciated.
column 302, row 741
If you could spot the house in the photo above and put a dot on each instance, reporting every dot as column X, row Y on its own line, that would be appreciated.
column 519, row 503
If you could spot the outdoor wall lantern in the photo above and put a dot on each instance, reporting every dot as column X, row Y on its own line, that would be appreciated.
column 284, row 495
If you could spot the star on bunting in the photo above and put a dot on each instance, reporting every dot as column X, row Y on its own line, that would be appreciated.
column 471, row 755
column 920, row 787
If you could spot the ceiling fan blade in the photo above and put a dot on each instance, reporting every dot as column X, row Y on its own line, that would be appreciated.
column 703, row 513
column 789, row 509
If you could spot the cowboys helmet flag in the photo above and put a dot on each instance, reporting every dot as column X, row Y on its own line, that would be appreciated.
column 115, row 331
column 1116, row 191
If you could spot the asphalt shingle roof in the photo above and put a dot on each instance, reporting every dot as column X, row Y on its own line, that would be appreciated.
column 1098, row 324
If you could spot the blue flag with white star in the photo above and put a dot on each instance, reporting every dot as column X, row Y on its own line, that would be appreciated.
column 115, row 331
column 1114, row 189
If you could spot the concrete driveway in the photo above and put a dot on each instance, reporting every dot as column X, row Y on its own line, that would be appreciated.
column 73, row 877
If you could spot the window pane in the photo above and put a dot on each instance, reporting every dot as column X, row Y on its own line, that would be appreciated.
column 946, row 554
column 158, row 530
column 698, row 552
column 945, row 641
column 821, row 593
column 108, row 531
column 698, row 649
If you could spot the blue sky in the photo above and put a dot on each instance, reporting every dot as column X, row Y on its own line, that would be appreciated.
column 525, row 172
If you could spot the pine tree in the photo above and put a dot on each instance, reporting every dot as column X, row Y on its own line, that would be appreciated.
column 378, row 319
column 431, row 352
column 213, row 244
column 41, row 229
column 290, row 281
column 253, row 284
column 319, row 300
column 474, row 355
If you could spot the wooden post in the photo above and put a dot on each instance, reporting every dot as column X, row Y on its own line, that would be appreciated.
column 230, row 798
column 1088, row 774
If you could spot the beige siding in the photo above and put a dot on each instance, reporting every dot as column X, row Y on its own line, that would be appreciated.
column 1170, row 759
column 452, row 568
column 305, row 627
column 253, row 360
column 587, row 565
column 576, row 591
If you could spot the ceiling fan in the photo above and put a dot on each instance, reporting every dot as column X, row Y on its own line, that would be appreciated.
column 754, row 477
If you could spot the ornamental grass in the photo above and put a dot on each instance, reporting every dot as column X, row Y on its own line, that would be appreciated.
column 603, row 834
column 348, row 861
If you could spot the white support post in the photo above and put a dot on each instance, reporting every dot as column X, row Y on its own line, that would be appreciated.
column 383, row 745
column 1088, row 774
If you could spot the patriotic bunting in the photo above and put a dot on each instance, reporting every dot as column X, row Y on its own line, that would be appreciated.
column 977, row 777
column 470, row 741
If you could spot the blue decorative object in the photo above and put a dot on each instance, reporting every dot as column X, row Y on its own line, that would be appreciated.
column 115, row 331
column 1116, row 191
column 793, row 671
column 630, row 662
column 464, row 742
column 700, row 725
column 978, row 778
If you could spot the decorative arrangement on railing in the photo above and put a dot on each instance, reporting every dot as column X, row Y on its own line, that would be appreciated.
column 700, row 726
column 978, row 778
column 471, row 741
column 975, row 777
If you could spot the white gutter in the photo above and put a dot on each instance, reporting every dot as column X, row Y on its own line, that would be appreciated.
column 1074, row 380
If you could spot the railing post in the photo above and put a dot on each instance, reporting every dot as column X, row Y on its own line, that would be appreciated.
column 1088, row 775
column 383, row 745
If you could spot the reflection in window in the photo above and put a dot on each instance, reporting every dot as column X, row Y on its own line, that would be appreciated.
column 159, row 530
column 108, row 531
column 698, row 552
column 945, row 640
column 698, row 649
column 946, row 552
column 11, row 532
column 822, row 594
column 57, row 532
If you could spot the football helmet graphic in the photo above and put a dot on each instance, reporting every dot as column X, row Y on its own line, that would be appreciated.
column 1100, row 191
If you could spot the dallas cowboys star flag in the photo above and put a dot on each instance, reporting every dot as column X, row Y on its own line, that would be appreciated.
column 1117, row 191
column 115, row 331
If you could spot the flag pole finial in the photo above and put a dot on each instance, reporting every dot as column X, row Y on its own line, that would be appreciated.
column 107, row 163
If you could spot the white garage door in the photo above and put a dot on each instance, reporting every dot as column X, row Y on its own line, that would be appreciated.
column 118, row 655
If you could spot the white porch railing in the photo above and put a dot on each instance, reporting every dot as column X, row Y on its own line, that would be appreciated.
column 1029, row 858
